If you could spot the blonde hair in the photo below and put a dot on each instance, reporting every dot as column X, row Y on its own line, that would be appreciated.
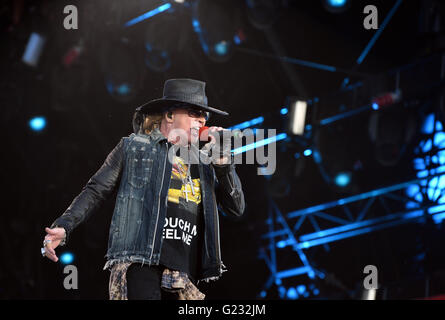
column 152, row 121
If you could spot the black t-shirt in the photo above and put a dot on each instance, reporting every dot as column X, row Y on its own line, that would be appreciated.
column 183, row 225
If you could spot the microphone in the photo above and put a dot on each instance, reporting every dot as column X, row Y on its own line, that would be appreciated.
column 204, row 133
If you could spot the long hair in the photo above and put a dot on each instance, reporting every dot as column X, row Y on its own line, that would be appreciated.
column 145, row 123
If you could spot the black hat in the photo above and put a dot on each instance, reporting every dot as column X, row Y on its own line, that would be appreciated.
column 180, row 91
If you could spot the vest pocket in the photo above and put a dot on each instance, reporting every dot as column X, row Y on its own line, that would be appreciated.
column 139, row 167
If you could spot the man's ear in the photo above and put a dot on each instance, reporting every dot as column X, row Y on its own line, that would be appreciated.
column 169, row 116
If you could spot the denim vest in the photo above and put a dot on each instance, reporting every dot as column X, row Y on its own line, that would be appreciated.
column 141, row 205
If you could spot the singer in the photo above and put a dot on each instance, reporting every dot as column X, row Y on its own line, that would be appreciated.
column 164, row 232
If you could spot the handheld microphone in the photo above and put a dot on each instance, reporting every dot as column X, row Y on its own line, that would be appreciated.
column 204, row 133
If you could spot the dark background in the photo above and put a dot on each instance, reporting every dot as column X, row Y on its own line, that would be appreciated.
column 43, row 171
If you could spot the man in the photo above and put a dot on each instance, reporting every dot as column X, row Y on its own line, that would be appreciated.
column 164, row 233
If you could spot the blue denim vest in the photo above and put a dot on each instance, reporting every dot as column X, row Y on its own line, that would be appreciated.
column 141, row 206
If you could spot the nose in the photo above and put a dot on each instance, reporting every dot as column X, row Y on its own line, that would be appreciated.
column 202, row 121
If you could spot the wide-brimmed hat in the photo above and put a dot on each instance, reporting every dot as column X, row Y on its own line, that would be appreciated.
column 186, row 92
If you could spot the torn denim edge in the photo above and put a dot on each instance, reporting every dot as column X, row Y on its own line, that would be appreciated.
column 133, row 259
column 222, row 269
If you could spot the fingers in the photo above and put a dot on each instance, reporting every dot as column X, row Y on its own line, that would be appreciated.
column 55, row 231
column 53, row 238
column 51, row 255
column 213, row 129
column 50, row 231
column 212, row 139
column 54, row 234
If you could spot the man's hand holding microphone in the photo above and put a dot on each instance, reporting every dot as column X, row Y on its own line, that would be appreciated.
column 223, row 147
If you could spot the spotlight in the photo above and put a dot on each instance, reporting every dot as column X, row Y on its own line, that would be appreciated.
column 336, row 6
column 221, row 48
column 284, row 111
column 148, row 14
column 33, row 49
column 37, row 123
column 369, row 294
column 281, row 244
column 307, row 152
column 282, row 291
column 311, row 274
column 429, row 159
column 337, row 3
column 343, row 179
column 297, row 116
column 292, row 293
column 301, row 289
column 67, row 258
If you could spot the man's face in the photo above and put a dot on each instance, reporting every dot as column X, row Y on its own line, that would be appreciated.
column 188, row 121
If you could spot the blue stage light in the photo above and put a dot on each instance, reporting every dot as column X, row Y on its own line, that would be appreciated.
column 261, row 143
column 148, row 14
column 221, row 48
column 438, row 218
column 375, row 106
column 336, row 6
column 337, row 3
column 67, row 258
column 281, row 244
column 430, row 190
column 342, row 179
column 123, row 89
column 282, row 292
column 301, row 289
column 307, row 152
column 292, row 293
column 37, row 123
column 33, row 49
column 196, row 25
column 284, row 111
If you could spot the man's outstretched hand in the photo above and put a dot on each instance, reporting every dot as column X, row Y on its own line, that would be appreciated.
column 52, row 240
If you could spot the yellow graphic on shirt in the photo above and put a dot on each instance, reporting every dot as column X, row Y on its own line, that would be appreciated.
column 179, row 171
